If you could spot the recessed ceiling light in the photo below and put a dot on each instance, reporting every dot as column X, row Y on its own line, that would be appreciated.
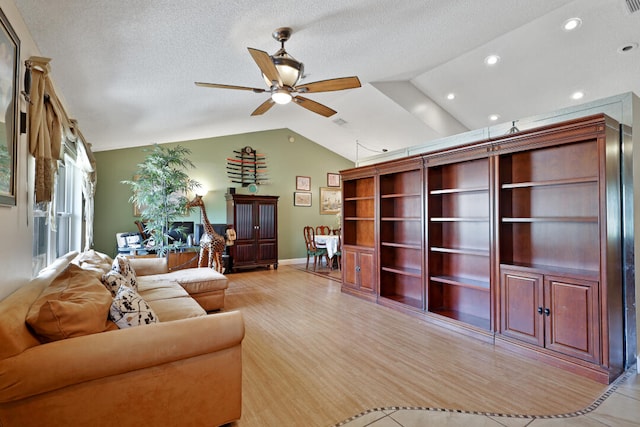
column 572, row 24
column 494, row 117
column 492, row 59
column 627, row 47
column 451, row 96
column 577, row 95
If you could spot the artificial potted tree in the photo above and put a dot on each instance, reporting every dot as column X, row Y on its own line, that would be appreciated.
column 160, row 189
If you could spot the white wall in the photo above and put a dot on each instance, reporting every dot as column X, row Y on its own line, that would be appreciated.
column 15, row 222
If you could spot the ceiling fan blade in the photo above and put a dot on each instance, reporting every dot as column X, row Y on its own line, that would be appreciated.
column 263, row 108
column 314, row 106
column 266, row 65
column 329, row 85
column 215, row 85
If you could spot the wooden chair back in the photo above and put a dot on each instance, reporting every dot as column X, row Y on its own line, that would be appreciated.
column 309, row 238
column 323, row 230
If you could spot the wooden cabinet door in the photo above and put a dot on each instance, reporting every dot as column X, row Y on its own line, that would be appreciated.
column 572, row 325
column 349, row 268
column 521, row 301
column 367, row 273
column 244, row 251
column 358, row 270
column 266, row 232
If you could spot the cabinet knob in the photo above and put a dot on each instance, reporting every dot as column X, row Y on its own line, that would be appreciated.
column 539, row 310
column 547, row 311
column 357, row 268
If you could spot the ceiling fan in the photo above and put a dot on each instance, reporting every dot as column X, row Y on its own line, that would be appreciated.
column 282, row 73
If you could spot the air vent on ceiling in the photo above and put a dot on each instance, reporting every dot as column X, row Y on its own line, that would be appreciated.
column 633, row 5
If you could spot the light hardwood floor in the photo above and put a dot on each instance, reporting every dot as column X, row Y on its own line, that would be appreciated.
column 313, row 356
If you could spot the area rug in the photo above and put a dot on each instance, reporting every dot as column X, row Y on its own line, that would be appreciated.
column 325, row 272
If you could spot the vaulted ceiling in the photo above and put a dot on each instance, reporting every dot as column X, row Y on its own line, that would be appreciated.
column 126, row 69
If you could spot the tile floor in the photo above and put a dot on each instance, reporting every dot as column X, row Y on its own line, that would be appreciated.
column 619, row 406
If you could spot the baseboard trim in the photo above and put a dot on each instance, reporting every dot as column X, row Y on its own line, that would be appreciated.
column 292, row 261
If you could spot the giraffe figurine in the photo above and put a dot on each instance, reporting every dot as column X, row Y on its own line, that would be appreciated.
column 210, row 242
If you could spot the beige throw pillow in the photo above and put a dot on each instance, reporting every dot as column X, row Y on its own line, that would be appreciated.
column 75, row 303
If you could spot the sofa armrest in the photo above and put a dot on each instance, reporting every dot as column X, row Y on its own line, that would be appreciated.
column 147, row 266
column 62, row 363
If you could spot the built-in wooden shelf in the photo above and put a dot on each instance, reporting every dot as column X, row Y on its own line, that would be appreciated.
column 415, row 272
column 462, row 281
column 555, row 182
column 593, row 219
column 398, row 195
column 405, row 300
column 459, row 219
column 475, row 252
column 458, row 190
column 401, row 245
column 463, row 317
column 356, row 199
column 486, row 238
column 389, row 218
column 552, row 269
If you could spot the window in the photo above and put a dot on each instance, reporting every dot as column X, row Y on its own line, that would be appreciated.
column 66, row 209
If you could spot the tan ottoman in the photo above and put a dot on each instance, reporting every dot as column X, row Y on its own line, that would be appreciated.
column 205, row 285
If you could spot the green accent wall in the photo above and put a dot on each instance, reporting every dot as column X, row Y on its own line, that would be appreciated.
column 285, row 160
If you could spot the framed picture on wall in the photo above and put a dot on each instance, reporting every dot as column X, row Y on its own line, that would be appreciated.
column 333, row 180
column 301, row 199
column 9, row 125
column 303, row 183
column 330, row 201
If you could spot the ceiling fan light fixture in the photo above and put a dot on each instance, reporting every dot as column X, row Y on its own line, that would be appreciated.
column 281, row 72
column 289, row 69
column 281, row 96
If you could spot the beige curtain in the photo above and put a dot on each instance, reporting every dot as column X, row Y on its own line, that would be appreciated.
column 45, row 129
column 49, row 124
column 87, row 163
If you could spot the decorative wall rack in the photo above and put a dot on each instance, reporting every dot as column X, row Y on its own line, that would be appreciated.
column 247, row 167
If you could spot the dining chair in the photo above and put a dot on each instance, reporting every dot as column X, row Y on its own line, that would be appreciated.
column 323, row 229
column 338, row 254
column 312, row 249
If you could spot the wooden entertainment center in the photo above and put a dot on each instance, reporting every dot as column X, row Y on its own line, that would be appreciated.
column 514, row 240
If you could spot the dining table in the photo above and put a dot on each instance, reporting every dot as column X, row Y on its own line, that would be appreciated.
column 330, row 242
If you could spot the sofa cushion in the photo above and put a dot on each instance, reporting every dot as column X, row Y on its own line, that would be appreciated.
column 177, row 308
column 198, row 280
column 130, row 309
column 147, row 265
column 94, row 261
column 74, row 304
column 122, row 265
column 156, row 288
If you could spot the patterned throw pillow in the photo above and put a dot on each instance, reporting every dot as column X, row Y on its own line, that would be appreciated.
column 122, row 265
column 129, row 309
column 112, row 280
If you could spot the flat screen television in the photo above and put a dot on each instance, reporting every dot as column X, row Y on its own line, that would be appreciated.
column 180, row 230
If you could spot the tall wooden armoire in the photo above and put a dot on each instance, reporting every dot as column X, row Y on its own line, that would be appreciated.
column 255, row 221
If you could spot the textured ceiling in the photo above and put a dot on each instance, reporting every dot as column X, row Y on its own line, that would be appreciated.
column 126, row 69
